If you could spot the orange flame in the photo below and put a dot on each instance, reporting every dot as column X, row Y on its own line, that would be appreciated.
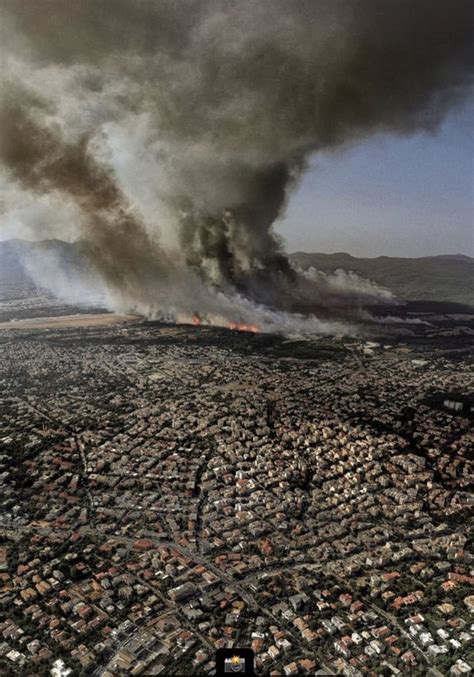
column 236, row 326
column 196, row 320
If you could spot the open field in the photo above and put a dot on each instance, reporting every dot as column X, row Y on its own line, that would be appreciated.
column 80, row 320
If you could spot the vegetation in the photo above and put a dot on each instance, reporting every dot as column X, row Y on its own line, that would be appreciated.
column 430, row 278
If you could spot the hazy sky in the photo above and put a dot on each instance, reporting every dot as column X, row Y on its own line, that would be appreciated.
column 390, row 196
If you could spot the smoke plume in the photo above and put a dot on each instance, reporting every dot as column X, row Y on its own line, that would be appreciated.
column 179, row 128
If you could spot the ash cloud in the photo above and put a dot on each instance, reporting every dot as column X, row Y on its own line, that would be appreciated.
column 43, row 161
column 231, row 100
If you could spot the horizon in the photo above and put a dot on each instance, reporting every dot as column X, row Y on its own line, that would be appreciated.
column 292, row 252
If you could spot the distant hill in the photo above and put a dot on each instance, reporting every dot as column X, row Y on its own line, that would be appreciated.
column 448, row 278
column 28, row 264
column 42, row 278
column 14, row 253
column 47, row 264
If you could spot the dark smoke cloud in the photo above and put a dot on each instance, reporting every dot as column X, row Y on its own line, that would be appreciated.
column 44, row 162
column 237, row 96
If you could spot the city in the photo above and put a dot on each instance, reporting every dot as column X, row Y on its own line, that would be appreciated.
column 236, row 338
column 171, row 490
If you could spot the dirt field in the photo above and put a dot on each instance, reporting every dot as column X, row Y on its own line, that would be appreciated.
column 68, row 321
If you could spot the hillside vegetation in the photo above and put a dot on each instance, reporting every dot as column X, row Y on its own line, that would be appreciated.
column 430, row 278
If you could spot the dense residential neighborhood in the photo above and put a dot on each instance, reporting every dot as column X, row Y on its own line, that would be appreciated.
column 166, row 495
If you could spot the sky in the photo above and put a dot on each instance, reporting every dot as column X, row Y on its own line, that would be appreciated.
column 390, row 196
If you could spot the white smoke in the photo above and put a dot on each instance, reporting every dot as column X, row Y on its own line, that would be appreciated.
column 343, row 281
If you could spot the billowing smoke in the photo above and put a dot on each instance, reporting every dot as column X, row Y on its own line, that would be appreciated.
column 178, row 128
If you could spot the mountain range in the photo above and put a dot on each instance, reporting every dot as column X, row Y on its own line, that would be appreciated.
column 446, row 278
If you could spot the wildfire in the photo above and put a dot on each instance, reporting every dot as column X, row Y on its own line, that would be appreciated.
column 217, row 321
column 236, row 326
